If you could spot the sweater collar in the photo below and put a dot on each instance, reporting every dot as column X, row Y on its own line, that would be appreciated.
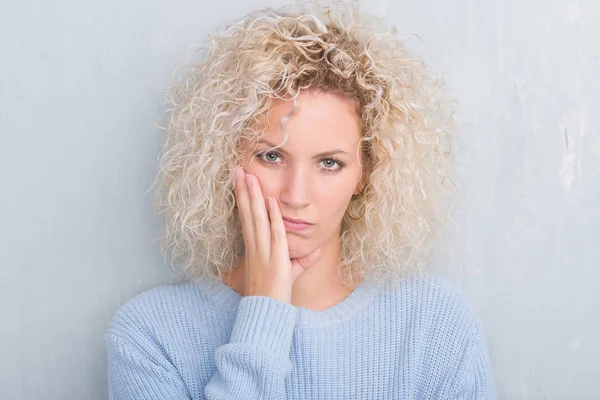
column 220, row 293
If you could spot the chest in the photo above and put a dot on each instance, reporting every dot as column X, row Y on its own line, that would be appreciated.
column 356, row 364
column 368, row 357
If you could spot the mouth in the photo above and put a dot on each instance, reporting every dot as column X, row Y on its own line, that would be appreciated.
column 296, row 224
column 296, row 221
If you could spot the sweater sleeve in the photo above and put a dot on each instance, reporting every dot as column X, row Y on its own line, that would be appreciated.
column 474, row 379
column 256, row 361
column 252, row 365
column 138, row 370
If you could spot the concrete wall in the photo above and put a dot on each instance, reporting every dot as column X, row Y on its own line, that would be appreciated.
column 79, row 97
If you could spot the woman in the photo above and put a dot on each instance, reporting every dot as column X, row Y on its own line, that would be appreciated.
column 303, row 184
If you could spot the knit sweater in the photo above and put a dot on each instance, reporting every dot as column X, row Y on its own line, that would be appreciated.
column 202, row 340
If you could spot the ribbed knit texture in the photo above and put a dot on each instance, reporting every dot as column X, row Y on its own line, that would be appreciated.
column 203, row 340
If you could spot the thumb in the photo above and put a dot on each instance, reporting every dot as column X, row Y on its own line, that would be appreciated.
column 299, row 265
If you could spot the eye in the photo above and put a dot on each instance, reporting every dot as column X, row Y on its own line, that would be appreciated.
column 268, row 157
column 330, row 164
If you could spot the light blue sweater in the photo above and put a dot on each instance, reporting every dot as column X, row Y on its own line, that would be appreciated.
column 203, row 340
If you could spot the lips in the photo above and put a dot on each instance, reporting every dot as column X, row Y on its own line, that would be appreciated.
column 296, row 225
column 296, row 221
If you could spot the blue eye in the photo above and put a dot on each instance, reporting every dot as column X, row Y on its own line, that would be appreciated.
column 262, row 155
column 329, row 164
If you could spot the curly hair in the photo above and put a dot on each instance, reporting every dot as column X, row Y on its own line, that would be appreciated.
column 407, row 122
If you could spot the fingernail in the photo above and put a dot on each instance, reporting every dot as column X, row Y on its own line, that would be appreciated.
column 249, row 180
column 271, row 203
column 238, row 173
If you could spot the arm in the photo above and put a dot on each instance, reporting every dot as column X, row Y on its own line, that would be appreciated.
column 138, row 370
column 475, row 380
column 252, row 365
column 255, row 362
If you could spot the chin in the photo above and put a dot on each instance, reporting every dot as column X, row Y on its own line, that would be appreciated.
column 299, row 254
column 298, row 248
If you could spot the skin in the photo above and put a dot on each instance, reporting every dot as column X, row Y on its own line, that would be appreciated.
column 298, row 267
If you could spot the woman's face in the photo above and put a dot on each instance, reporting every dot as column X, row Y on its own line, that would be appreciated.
column 315, row 173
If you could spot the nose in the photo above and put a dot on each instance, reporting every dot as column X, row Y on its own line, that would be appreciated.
column 295, row 188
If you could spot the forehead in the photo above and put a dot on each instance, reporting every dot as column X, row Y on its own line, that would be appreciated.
column 322, row 121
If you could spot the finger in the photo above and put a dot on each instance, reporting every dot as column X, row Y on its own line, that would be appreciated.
column 279, row 245
column 308, row 260
column 299, row 265
column 260, row 218
column 243, row 205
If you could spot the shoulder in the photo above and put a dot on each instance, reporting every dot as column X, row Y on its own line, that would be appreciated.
column 435, row 316
column 452, row 340
column 433, row 293
column 440, row 306
column 155, row 310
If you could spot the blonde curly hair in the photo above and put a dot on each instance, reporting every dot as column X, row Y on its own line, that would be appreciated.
column 407, row 125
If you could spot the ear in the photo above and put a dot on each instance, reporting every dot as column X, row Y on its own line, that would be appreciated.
column 359, row 189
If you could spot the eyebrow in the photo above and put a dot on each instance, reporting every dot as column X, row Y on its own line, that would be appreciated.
column 320, row 155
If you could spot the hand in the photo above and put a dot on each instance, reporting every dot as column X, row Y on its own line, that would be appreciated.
column 267, row 265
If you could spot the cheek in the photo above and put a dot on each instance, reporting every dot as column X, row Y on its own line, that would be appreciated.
column 268, row 185
column 334, row 200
